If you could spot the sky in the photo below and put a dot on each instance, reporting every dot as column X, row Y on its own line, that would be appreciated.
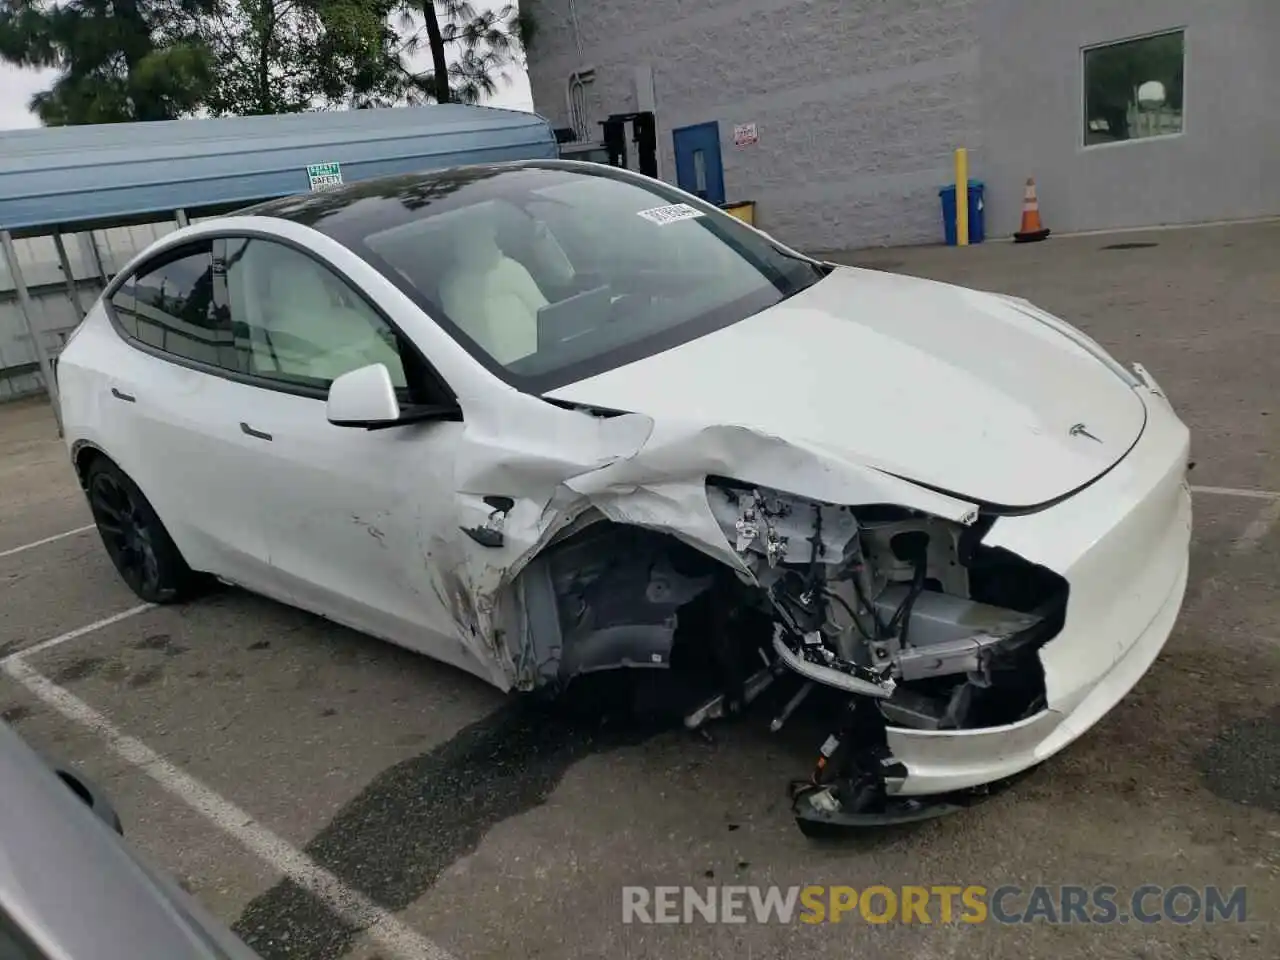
column 17, row 86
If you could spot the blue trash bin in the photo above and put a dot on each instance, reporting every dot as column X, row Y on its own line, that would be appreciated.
column 977, row 224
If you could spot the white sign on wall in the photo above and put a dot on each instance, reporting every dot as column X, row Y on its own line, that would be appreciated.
column 745, row 134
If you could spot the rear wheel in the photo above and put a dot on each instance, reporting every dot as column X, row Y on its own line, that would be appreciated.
column 136, row 540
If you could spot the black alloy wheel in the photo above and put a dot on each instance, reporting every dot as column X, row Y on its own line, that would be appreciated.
column 136, row 540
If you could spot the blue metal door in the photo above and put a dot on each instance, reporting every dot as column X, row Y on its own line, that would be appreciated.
column 698, row 168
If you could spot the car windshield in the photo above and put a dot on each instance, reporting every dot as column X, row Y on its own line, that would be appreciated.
column 549, row 274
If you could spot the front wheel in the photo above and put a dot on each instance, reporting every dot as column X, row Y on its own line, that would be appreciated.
column 136, row 540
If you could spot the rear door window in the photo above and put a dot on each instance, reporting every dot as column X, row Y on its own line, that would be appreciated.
column 170, row 305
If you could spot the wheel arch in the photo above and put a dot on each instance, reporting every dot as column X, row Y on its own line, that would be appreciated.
column 83, row 454
column 86, row 453
column 596, row 544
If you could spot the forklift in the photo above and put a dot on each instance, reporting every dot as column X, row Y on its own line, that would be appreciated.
column 612, row 149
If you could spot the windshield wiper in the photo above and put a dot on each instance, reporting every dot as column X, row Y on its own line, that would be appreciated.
column 820, row 270
column 790, row 255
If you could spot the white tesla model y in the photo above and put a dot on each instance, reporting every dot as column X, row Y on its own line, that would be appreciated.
column 543, row 419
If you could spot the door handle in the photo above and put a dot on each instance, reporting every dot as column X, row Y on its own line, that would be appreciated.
column 127, row 398
column 248, row 431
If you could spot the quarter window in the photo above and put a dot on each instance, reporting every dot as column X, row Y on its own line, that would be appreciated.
column 172, row 307
column 294, row 320
column 1134, row 89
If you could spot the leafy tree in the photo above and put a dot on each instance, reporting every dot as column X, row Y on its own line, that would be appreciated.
column 470, row 49
column 120, row 59
column 285, row 56
column 123, row 60
column 279, row 56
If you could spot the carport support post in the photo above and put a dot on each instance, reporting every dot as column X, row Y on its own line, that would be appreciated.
column 89, row 246
column 28, row 315
column 72, row 288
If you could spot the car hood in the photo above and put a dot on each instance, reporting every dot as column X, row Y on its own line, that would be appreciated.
column 968, row 392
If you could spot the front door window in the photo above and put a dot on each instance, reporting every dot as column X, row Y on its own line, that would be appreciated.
column 296, row 321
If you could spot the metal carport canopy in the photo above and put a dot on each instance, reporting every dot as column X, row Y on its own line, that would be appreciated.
column 87, row 177
column 110, row 173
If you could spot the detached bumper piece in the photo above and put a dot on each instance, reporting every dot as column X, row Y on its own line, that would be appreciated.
column 847, row 790
column 827, row 810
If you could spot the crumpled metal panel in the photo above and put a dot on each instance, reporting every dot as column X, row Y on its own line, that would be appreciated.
column 569, row 464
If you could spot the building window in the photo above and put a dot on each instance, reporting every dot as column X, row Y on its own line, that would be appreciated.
column 1133, row 89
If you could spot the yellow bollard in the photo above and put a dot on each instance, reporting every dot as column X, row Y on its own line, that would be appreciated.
column 962, row 197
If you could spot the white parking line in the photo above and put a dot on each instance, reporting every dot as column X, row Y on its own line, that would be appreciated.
column 78, row 632
column 1237, row 492
column 352, row 907
column 1261, row 525
column 40, row 543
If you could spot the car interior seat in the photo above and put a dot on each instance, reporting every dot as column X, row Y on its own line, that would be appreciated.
column 490, row 296
column 305, row 329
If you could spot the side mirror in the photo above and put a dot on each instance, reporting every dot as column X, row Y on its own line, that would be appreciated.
column 363, row 398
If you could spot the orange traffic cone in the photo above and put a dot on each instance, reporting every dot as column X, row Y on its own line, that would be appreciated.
column 1032, row 228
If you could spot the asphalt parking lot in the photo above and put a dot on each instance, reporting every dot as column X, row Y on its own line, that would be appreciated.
column 332, row 796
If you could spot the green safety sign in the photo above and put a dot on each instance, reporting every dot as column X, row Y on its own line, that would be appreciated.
column 324, row 175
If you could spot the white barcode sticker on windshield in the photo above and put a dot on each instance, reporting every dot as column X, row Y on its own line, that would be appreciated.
column 670, row 214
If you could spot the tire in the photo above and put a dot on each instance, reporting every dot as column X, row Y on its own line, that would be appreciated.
column 141, row 549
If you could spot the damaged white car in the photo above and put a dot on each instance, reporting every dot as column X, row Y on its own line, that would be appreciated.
column 544, row 419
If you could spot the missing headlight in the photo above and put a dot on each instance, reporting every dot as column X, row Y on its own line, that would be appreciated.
column 896, row 606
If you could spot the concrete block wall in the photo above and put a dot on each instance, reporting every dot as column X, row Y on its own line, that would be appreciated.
column 859, row 103
column 1223, row 166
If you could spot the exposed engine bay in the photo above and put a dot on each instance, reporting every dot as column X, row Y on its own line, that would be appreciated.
column 905, row 619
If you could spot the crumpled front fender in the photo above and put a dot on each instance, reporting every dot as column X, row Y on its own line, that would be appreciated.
column 559, row 465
